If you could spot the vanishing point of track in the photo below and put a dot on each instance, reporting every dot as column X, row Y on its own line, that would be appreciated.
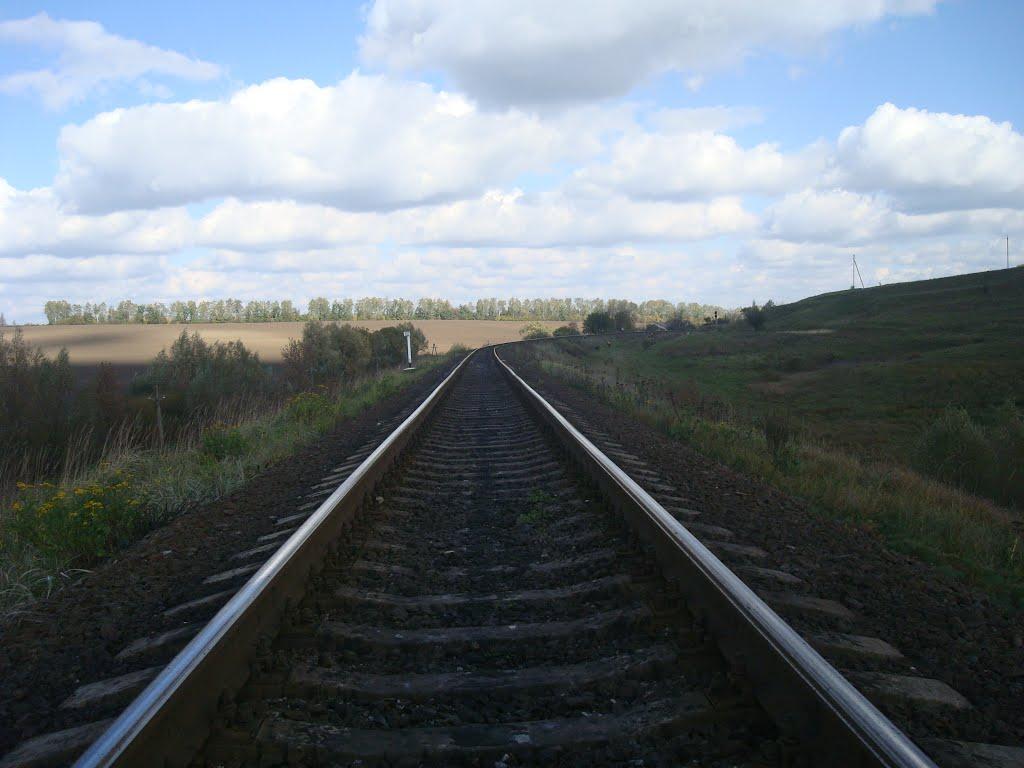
column 487, row 587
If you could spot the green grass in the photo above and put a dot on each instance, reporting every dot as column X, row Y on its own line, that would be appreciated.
column 832, row 402
column 51, row 531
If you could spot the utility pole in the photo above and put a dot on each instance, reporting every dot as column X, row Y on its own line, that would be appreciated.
column 1007, row 251
column 857, row 270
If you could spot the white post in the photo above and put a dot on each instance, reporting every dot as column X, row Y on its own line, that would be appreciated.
column 408, row 347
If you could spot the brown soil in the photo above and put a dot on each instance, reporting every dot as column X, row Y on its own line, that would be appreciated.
column 946, row 629
column 74, row 637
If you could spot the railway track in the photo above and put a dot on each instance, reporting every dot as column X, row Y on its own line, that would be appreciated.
column 487, row 587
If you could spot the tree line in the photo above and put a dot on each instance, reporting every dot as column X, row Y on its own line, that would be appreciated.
column 62, row 312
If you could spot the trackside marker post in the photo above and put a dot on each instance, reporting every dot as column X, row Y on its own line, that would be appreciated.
column 408, row 350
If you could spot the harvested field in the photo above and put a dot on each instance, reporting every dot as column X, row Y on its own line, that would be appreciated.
column 134, row 344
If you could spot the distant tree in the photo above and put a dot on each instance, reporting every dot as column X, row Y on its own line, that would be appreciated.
column 3, row 320
column 598, row 322
column 319, row 309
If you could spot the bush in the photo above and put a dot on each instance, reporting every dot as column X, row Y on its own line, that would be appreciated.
column 570, row 329
column 598, row 322
column 984, row 460
column 957, row 451
column 755, row 315
column 623, row 321
column 309, row 407
column 195, row 374
column 221, row 442
column 78, row 526
column 35, row 399
column 534, row 331
column 326, row 352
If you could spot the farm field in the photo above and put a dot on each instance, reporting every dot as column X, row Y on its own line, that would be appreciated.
column 135, row 345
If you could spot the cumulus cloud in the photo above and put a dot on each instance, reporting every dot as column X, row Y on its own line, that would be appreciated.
column 508, row 219
column 34, row 222
column 684, row 165
column 849, row 218
column 367, row 143
column 931, row 161
column 538, row 52
column 90, row 58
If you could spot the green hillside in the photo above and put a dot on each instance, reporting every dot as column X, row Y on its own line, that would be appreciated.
column 983, row 300
column 877, row 393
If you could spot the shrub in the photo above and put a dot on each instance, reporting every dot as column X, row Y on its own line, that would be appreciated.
column 78, row 526
column 755, row 315
column 326, row 352
column 623, row 321
column 309, row 407
column 570, row 329
column 598, row 322
column 195, row 374
column 35, row 399
column 534, row 331
column 221, row 442
column 956, row 450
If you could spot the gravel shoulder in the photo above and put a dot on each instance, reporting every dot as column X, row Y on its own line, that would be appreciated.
column 75, row 636
column 946, row 630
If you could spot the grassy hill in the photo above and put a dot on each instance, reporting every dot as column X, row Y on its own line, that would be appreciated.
column 874, row 395
column 993, row 301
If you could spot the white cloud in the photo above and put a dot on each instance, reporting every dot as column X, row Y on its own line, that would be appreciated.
column 687, row 165
column 367, row 143
column 848, row 218
column 90, row 58
column 498, row 218
column 33, row 222
column 539, row 52
column 930, row 161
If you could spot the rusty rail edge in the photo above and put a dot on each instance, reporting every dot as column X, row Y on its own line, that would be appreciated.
column 808, row 698
column 168, row 722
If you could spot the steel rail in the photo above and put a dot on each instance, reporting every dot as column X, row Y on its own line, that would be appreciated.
column 820, row 708
column 168, row 722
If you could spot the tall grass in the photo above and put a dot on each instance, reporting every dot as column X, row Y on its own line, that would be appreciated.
column 49, row 531
column 943, row 523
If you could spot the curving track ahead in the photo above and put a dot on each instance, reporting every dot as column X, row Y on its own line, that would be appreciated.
column 496, row 598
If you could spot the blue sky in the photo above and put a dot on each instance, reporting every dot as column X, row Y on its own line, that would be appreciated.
column 163, row 151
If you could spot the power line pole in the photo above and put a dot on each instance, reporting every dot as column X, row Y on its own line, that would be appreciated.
column 1007, row 251
column 857, row 269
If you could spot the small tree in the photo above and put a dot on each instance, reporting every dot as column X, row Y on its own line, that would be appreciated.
column 598, row 322
column 623, row 320
column 534, row 331
column 755, row 315
column 570, row 329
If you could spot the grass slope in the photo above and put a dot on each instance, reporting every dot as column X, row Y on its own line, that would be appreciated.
column 830, row 402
